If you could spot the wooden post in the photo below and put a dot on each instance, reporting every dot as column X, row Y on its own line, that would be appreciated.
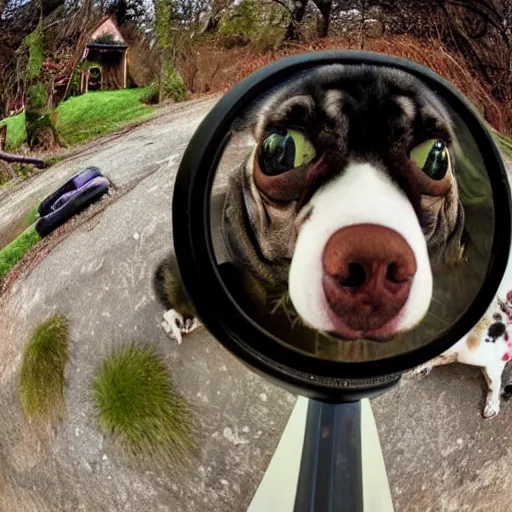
column 125, row 66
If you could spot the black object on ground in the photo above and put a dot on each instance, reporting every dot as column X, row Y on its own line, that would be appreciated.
column 71, row 198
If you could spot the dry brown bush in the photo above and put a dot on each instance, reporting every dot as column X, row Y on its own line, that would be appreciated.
column 143, row 64
column 142, row 60
column 209, row 66
column 217, row 69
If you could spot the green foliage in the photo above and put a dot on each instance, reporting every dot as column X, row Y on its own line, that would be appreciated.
column 137, row 405
column 173, row 86
column 86, row 64
column 12, row 253
column 245, row 20
column 162, row 15
column 256, row 21
column 41, row 379
column 39, row 124
column 152, row 94
column 23, row 170
column 35, row 45
column 36, row 97
column 38, row 120
column 74, row 88
column 170, row 81
column 53, row 160
column 74, row 85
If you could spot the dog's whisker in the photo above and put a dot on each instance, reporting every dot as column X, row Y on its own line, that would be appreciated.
column 432, row 315
column 437, row 301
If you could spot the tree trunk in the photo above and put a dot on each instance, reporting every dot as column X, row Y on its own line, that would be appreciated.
column 7, row 173
column 296, row 16
column 39, row 122
column 363, row 19
column 325, row 8
column 211, row 24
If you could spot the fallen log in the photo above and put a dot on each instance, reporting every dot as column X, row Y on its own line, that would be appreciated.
column 8, row 157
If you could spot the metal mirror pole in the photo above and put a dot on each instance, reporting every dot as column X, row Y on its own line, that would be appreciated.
column 331, row 470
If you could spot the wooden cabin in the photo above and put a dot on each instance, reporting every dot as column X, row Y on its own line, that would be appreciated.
column 105, row 60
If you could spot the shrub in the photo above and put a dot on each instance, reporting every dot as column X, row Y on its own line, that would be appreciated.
column 41, row 378
column 152, row 94
column 173, row 86
column 137, row 405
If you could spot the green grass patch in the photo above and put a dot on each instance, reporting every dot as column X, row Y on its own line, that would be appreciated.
column 81, row 118
column 16, row 132
column 41, row 379
column 95, row 113
column 138, row 406
column 32, row 215
column 12, row 253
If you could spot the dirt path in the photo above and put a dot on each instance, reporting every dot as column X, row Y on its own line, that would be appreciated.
column 440, row 454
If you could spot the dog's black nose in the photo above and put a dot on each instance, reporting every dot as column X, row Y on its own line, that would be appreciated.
column 368, row 271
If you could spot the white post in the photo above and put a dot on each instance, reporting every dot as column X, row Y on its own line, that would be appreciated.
column 278, row 488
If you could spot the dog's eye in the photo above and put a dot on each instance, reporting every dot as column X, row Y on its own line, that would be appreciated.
column 284, row 150
column 432, row 158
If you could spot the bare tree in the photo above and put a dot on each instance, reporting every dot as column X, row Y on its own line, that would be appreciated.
column 325, row 8
column 363, row 19
column 214, row 13
column 297, row 10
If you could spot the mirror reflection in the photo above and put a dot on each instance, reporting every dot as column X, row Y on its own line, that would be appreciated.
column 352, row 215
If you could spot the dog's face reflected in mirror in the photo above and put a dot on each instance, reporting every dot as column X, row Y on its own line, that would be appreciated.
column 349, row 205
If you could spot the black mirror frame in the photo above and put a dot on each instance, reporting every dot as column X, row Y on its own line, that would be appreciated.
column 316, row 378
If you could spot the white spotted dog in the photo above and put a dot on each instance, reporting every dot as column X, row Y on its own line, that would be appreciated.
column 488, row 346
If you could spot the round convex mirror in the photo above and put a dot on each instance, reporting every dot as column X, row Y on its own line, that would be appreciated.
column 339, row 218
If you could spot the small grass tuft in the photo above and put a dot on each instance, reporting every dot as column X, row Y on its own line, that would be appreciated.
column 41, row 379
column 12, row 253
column 32, row 215
column 137, row 405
